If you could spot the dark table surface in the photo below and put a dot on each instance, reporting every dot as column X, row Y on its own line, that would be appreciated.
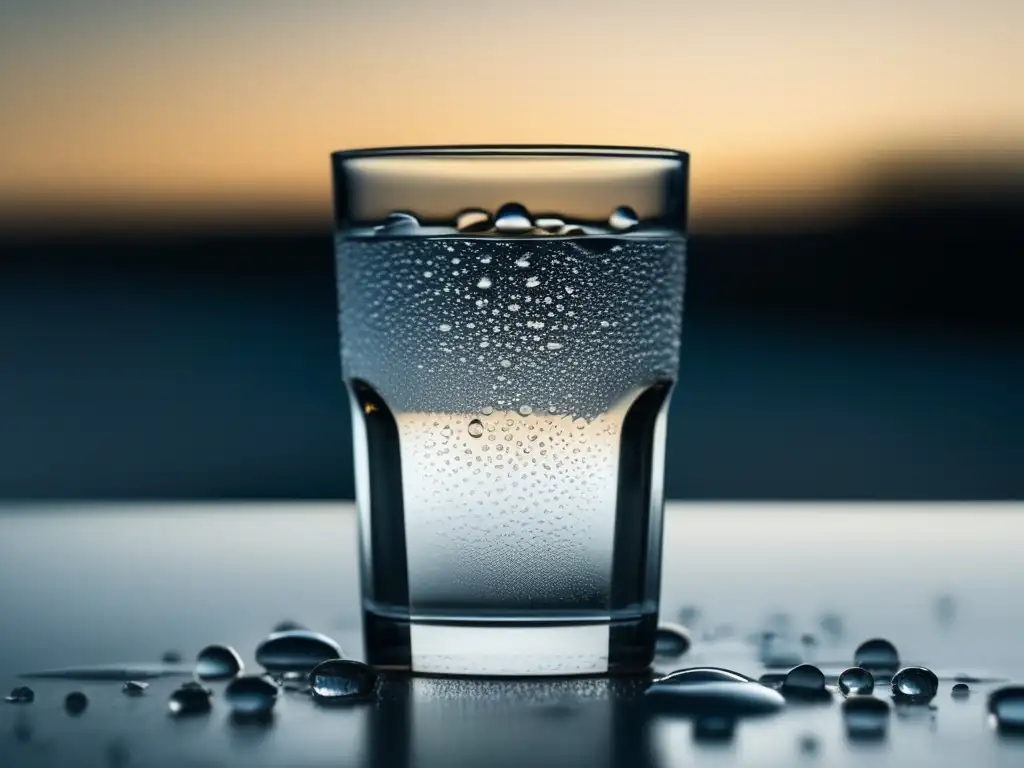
column 101, row 584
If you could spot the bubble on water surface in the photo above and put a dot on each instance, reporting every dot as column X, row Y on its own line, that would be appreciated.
column 218, row 662
column 21, row 695
column 513, row 219
column 671, row 640
column 340, row 680
column 877, row 654
column 298, row 650
column 865, row 718
column 623, row 218
column 473, row 220
column 189, row 699
column 914, row 685
column 250, row 696
column 856, row 681
column 398, row 223
column 75, row 703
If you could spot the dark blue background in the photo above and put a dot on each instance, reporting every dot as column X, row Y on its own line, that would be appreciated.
column 880, row 358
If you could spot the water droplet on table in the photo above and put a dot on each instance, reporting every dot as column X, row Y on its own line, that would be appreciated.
column 398, row 224
column 1006, row 705
column 711, row 691
column 914, row 685
column 171, row 657
column 512, row 219
column 805, row 677
column 114, row 672
column 623, row 218
column 286, row 625
column 21, row 695
column 341, row 680
column 190, row 699
column 75, row 703
column 297, row 650
column 250, row 696
column 876, row 655
column 473, row 220
column 856, row 681
column 671, row 640
column 865, row 718
column 134, row 687
column 805, row 681
column 960, row 691
column 218, row 662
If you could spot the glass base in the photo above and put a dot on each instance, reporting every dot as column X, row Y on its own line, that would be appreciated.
column 482, row 649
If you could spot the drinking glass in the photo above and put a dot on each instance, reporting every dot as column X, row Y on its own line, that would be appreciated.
column 510, row 324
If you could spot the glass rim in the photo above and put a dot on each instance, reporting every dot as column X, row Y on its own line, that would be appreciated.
column 596, row 151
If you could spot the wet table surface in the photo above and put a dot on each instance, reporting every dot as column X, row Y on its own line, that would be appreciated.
column 101, row 584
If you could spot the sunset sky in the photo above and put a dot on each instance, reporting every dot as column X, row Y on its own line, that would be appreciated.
column 113, row 107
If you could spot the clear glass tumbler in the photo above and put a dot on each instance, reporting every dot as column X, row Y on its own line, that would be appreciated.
column 510, row 324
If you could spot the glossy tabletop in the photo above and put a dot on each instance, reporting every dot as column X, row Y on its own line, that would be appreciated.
column 122, row 584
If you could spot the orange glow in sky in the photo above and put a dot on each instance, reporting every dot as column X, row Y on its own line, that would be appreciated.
column 213, row 107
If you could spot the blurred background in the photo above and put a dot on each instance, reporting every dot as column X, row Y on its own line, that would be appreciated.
column 167, row 308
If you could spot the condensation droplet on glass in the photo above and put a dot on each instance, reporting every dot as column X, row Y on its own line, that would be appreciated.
column 532, row 282
column 444, row 327
column 484, row 283
column 553, row 345
column 525, row 410
column 475, row 428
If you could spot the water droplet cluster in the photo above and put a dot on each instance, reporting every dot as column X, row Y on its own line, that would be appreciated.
column 453, row 324
column 509, row 363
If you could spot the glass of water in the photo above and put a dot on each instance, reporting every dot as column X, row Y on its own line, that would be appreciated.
column 510, row 324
